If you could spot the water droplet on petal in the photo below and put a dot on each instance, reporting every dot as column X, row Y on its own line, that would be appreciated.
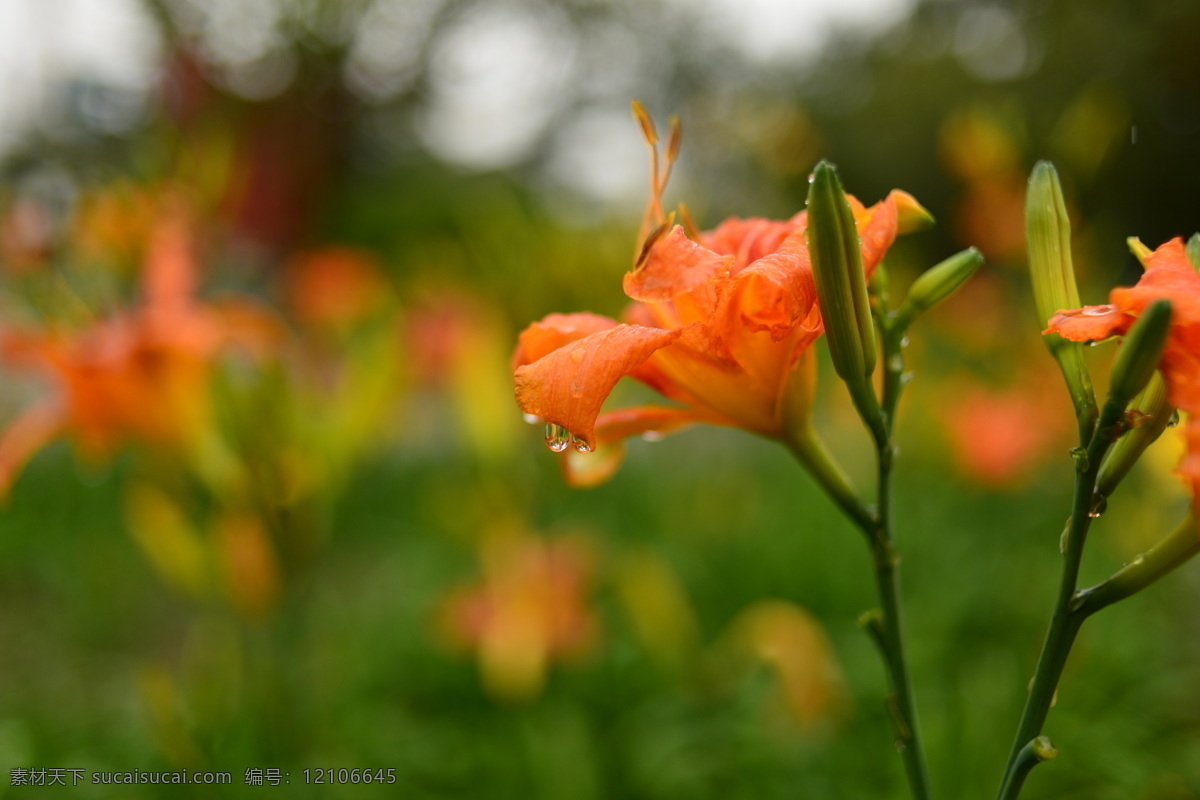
column 1097, row 311
column 532, row 419
column 1174, row 420
column 558, row 438
column 582, row 447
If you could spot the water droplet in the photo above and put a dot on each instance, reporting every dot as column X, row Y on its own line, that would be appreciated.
column 1091, row 343
column 1080, row 455
column 532, row 419
column 900, row 746
column 812, row 176
column 558, row 438
column 654, row 436
column 1099, row 506
column 904, row 342
column 896, row 364
column 1097, row 311
column 582, row 447
column 1174, row 420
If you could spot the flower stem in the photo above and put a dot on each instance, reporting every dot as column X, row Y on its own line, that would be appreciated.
column 882, row 623
column 1065, row 620
column 886, row 562
column 1173, row 550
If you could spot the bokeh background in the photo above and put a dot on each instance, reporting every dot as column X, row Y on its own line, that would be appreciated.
column 268, row 502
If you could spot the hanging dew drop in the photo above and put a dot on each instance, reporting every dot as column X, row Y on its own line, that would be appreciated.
column 532, row 419
column 1174, row 420
column 558, row 438
column 1099, row 507
column 582, row 447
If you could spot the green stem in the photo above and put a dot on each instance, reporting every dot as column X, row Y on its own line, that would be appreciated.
column 811, row 452
column 1032, row 754
column 882, row 623
column 1173, row 550
column 886, row 562
column 1064, row 621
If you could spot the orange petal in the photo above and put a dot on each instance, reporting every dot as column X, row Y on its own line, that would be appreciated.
column 544, row 337
column 650, row 421
column 1168, row 275
column 674, row 265
column 748, row 240
column 587, row 470
column 1181, row 369
column 773, row 294
column 877, row 229
column 1090, row 323
column 567, row 386
column 1189, row 467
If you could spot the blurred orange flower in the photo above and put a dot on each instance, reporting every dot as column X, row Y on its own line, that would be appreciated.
column 1169, row 275
column 139, row 375
column 335, row 286
column 997, row 435
column 530, row 607
column 722, row 324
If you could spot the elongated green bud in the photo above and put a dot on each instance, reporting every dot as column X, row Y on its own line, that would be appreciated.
column 838, row 272
column 939, row 282
column 1048, row 235
column 1048, row 238
column 1149, row 414
column 1193, row 250
column 1140, row 353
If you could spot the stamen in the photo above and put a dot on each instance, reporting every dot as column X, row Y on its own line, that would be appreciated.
column 689, row 225
column 653, row 237
column 646, row 122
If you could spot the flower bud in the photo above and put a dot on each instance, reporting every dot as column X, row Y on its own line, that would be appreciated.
column 939, row 282
column 838, row 272
column 1149, row 414
column 1048, row 238
column 1140, row 353
column 1193, row 250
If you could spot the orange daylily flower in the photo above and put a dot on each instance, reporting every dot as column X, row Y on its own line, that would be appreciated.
column 1169, row 275
column 530, row 607
column 722, row 323
column 140, row 375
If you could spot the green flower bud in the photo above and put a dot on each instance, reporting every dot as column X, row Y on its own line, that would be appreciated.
column 1193, row 250
column 1148, row 416
column 838, row 272
column 1048, row 238
column 1140, row 353
column 939, row 282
